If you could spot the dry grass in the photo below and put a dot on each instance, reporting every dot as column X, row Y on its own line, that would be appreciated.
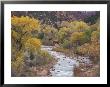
column 67, row 52
column 83, row 71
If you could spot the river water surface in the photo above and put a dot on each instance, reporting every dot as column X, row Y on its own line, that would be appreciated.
column 65, row 65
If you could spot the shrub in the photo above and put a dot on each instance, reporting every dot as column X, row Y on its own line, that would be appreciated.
column 17, row 64
column 95, row 36
column 66, row 44
column 40, row 35
column 87, row 35
column 77, row 38
column 63, row 33
column 21, row 28
column 63, row 50
column 79, row 26
column 45, row 55
column 90, row 49
column 24, row 24
column 39, row 58
column 21, row 31
column 33, row 43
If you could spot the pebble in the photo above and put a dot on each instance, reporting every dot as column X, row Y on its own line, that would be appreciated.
column 65, row 67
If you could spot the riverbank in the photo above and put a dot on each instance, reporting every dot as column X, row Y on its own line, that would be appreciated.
column 64, row 66
column 44, row 71
column 86, row 67
column 67, row 52
column 87, row 71
column 39, row 71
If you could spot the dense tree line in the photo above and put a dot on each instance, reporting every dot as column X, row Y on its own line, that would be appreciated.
column 55, row 18
column 77, row 31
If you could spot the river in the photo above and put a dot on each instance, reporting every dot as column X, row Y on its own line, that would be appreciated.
column 65, row 65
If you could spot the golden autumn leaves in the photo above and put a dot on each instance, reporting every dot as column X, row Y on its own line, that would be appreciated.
column 25, row 23
column 33, row 43
column 82, row 37
column 27, row 33
column 22, row 39
column 22, row 28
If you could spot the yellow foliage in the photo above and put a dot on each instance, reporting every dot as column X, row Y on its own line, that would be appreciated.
column 17, row 65
column 33, row 43
column 79, row 26
column 25, row 23
column 95, row 36
column 76, row 36
column 83, row 49
column 24, row 39
column 91, row 50
column 63, row 50
column 63, row 33
column 22, row 28
column 14, row 34
column 47, row 29
column 65, row 29
column 44, row 54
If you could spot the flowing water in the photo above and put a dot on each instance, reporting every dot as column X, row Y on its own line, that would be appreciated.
column 65, row 65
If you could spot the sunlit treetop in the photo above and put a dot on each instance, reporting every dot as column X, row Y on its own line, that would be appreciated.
column 25, row 23
column 79, row 25
column 63, row 32
column 76, row 36
column 33, row 43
